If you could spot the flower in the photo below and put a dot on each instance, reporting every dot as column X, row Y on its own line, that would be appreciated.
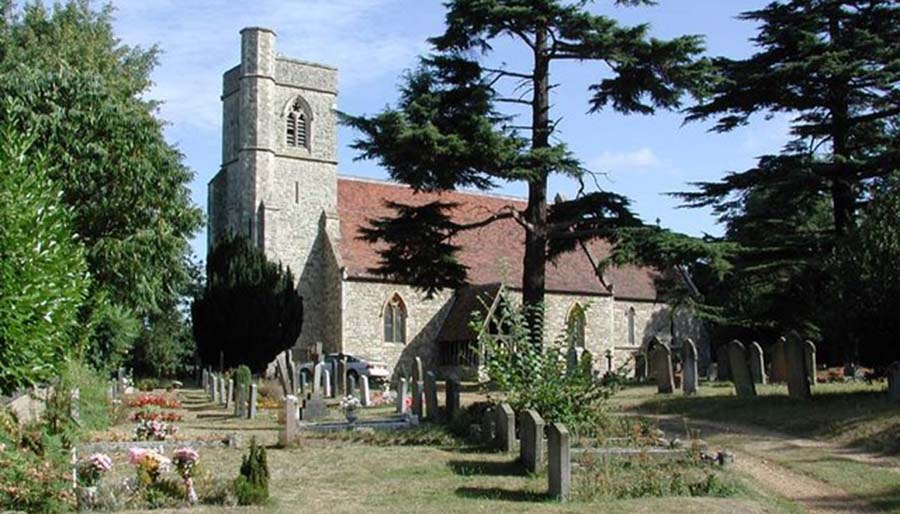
column 350, row 403
column 185, row 459
column 153, row 430
column 150, row 464
column 91, row 469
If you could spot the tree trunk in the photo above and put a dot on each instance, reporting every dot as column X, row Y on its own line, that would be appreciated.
column 534, row 265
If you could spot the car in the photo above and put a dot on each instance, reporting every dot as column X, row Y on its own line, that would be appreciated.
column 357, row 367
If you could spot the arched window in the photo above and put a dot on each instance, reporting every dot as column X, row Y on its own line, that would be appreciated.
column 631, row 336
column 298, row 124
column 575, row 324
column 395, row 320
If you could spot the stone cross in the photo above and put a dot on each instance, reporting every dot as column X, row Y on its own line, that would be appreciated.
column 402, row 391
column 779, row 372
column 506, row 428
column 531, row 446
column 689, row 374
column 254, row 391
column 431, row 396
column 809, row 356
column 662, row 367
column 757, row 363
column 893, row 376
column 326, row 381
column 317, row 377
column 722, row 359
column 229, row 394
column 740, row 370
column 289, row 432
column 451, row 401
column 559, row 463
column 798, row 377
column 365, row 396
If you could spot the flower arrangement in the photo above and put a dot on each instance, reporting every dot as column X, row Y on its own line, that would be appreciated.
column 153, row 430
column 349, row 405
column 149, row 464
column 157, row 400
column 91, row 469
column 153, row 414
column 387, row 397
column 185, row 460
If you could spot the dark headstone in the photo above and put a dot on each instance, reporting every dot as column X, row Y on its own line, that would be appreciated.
column 740, row 370
column 757, row 363
column 779, row 373
column 559, row 463
column 798, row 377
column 452, row 399
column 689, row 374
column 661, row 356
column 531, row 446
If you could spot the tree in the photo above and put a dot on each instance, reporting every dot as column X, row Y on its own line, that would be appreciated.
column 43, row 275
column 447, row 131
column 249, row 311
column 81, row 93
column 832, row 66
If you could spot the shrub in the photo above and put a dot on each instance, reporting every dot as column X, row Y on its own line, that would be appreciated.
column 147, row 384
column 242, row 376
column 251, row 487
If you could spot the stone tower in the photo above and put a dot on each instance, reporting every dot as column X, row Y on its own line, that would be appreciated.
column 278, row 180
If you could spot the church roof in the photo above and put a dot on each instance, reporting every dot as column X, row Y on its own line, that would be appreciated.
column 493, row 253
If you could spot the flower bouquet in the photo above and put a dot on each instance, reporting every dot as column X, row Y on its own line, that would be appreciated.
column 149, row 465
column 89, row 472
column 350, row 405
column 153, row 430
column 185, row 461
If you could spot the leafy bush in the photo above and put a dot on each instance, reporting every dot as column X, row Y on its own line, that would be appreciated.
column 536, row 377
column 147, row 384
column 617, row 478
column 251, row 487
column 242, row 376
column 250, row 309
column 43, row 278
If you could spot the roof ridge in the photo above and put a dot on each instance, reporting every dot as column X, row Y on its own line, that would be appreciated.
column 387, row 182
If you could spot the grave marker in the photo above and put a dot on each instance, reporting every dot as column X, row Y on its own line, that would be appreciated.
column 431, row 397
column 289, row 433
column 661, row 355
column 506, row 428
column 740, row 370
column 689, row 374
column 365, row 396
column 779, row 373
column 798, row 377
column 254, row 391
column 531, row 446
column 452, row 399
column 559, row 465
column 757, row 363
column 809, row 357
column 401, row 396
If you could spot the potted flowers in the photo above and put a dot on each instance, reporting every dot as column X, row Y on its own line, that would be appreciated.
column 90, row 471
column 349, row 405
column 149, row 465
column 185, row 461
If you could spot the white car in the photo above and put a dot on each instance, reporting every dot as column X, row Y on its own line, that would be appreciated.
column 357, row 367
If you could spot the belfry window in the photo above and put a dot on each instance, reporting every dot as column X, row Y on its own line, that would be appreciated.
column 297, row 126
column 395, row 320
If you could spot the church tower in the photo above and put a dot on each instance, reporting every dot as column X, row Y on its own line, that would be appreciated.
column 278, row 180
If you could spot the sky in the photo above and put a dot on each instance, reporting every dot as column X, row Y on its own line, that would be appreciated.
column 372, row 43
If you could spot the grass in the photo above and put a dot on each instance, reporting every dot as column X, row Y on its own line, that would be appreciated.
column 853, row 414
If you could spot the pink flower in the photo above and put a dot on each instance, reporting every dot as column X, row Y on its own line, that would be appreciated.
column 135, row 455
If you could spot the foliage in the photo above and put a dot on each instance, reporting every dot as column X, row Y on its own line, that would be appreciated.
column 82, row 92
column 448, row 132
column 535, row 377
column 250, row 309
column 113, row 329
column 252, row 486
column 611, row 478
column 242, row 376
column 42, row 268
column 165, row 346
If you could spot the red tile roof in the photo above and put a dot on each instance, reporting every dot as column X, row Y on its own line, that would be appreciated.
column 493, row 253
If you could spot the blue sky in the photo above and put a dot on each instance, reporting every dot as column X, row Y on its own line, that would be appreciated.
column 373, row 41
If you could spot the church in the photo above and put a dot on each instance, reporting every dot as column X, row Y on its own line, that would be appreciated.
column 279, row 185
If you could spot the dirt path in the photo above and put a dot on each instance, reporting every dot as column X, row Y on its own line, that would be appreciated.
column 813, row 495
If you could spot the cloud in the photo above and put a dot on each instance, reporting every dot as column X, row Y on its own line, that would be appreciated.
column 199, row 40
column 642, row 158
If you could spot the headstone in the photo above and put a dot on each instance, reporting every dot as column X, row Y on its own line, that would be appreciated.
column 559, row 463
column 809, row 356
column 120, row 380
column 798, row 377
column 242, row 401
column 301, row 379
column 531, row 445
column 452, row 399
column 418, row 390
column 314, row 407
column 740, row 370
column 254, row 391
column 223, row 391
column 722, row 360
column 402, row 391
column 326, row 381
column 205, row 380
column 291, row 373
column 689, row 374
column 289, row 432
column 661, row 356
column 284, row 377
column 229, row 394
column 893, row 377
column 317, row 377
column 365, row 395
column 757, row 363
column 351, row 385
column 779, row 373
column 215, row 388
column 341, row 378
column 431, row 397
column 418, row 370
column 506, row 428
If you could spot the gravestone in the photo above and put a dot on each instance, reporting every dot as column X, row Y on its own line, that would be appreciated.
column 317, row 377
column 215, row 388
column 341, row 378
column 506, row 428
column 559, row 463
column 809, row 357
column 365, row 396
column 740, row 370
column 798, row 377
column 240, row 401
column 229, row 394
column 531, row 445
column 291, row 372
column 757, row 363
column 205, row 380
column 722, row 360
column 326, row 382
column 351, row 385
column 120, row 380
column 689, row 374
column 893, row 377
column 284, row 377
column 402, row 391
column 301, row 379
column 288, row 434
column 254, row 391
column 313, row 407
column 661, row 356
column 451, row 400
column 779, row 373
column 418, row 390
column 431, row 397
column 418, row 370
column 223, row 391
